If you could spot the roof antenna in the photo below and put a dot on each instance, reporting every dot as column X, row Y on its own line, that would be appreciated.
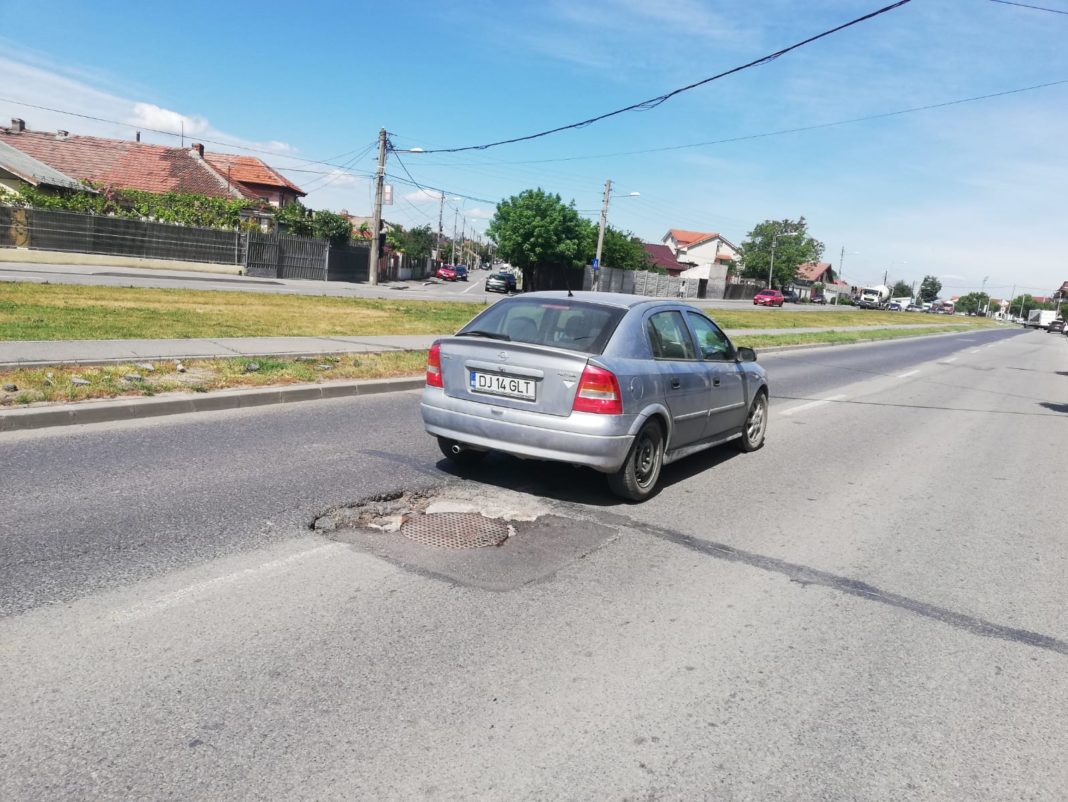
column 568, row 285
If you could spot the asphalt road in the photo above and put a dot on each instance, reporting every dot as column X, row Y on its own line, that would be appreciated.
column 871, row 607
column 428, row 290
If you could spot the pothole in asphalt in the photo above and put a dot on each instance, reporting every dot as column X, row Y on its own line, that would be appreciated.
column 469, row 533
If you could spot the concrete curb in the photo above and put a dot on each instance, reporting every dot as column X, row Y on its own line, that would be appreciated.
column 136, row 408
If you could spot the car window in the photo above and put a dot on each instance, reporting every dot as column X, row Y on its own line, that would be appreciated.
column 711, row 342
column 575, row 325
column 669, row 337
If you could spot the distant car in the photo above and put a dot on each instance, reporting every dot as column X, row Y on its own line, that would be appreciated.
column 818, row 298
column 769, row 298
column 894, row 307
column 791, row 296
column 501, row 282
column 618, row 383
column 913, row 308
column 452, row 272
column 1057, row 326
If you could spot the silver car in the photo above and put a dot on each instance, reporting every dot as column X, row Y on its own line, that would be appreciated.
column 620, row 383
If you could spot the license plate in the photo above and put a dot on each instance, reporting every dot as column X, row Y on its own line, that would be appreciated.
column 508, row 386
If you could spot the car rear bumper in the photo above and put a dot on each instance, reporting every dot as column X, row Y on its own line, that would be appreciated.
column 596, row 441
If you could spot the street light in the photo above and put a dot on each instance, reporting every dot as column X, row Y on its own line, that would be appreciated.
column 774, row 239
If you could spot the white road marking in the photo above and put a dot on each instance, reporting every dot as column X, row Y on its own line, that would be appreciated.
column 811, row 404
column 475, row 286
column 951, row 359
column 906, row 375
column 173, row 599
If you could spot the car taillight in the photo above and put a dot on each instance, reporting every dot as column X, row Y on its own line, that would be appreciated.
column 433, row 366
column 598, row 392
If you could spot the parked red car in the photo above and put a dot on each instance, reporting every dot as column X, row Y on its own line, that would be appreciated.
column 452, row 272
column 769, row 298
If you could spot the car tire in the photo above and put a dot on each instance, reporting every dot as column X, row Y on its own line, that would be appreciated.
column 465, row 456
column 638, row 478
column 755, row 428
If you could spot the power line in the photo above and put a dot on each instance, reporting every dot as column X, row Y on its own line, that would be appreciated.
column 1025, row 5
column 411, row 180
column 766, row 134
column 652, row 103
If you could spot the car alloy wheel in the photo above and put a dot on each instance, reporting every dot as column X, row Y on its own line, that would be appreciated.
column 756, row 424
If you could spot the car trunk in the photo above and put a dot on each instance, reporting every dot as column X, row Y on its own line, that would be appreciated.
column 507, row 374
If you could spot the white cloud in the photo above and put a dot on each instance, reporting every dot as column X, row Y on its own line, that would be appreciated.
column 479, row 214
column 423, row 196
column 27, row 76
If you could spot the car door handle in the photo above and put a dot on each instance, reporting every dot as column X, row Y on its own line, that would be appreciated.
column 675, row 383
column 715, row 382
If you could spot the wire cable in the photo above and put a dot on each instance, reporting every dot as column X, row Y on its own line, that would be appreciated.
column 780, row 132
column 1025, row 5
column 652, row 103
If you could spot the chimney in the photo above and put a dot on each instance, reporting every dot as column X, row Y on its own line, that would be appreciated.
column 137, row 138
column 199, row 148
column 61, row 134
column 18, row 125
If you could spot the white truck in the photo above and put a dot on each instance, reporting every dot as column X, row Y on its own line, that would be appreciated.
column 1039, row 318
column 873, row 297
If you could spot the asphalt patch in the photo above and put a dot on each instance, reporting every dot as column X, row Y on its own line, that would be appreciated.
column 540, row 541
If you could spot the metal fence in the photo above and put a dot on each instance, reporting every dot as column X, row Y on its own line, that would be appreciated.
column 73, row 232
column 262, row 254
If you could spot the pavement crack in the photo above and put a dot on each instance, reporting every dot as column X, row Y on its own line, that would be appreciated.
column 806, row 575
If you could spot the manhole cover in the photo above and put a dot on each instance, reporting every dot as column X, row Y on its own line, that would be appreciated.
column 455, row 530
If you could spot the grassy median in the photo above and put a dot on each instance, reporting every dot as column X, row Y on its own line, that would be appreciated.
column 72, row 312
column 63, row 383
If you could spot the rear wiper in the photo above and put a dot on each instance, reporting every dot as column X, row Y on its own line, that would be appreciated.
column 481, row 333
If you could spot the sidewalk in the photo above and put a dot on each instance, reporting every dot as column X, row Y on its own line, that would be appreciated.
column 32, row 353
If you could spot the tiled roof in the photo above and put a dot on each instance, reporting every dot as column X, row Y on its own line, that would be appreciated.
column 33, row 171
column 811, row 271
column 661, row 256
column 138, row 165
column 249, row 170
column 687, row 238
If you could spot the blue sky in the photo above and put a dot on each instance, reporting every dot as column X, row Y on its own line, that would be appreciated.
column 972, row 190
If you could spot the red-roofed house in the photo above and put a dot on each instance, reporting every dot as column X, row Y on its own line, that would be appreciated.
column 662, row 256
column 706, row 255
column 151, row 168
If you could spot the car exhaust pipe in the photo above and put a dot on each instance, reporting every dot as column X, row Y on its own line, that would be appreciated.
column 456, row 449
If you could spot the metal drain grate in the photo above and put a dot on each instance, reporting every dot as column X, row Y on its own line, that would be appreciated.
column 455, row 530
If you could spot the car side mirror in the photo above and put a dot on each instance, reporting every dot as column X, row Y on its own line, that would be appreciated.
column 746, row 354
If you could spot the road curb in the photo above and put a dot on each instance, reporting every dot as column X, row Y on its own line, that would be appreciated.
column 137, row 408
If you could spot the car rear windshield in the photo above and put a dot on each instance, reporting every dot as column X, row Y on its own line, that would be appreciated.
column 563, row 323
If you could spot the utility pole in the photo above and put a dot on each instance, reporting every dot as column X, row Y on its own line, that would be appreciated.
column 841, row 276
column 376, row 225
column 604, row 219
column 1012, row 298
column 982, row 291
column 455, row 223
column 441, row 214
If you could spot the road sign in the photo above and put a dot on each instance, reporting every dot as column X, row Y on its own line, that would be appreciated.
column 595, row 264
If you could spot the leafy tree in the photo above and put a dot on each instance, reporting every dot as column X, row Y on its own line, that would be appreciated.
column 793, row 247
column 333, row 227
column 295, row 218
column 929, row 289
column 620, row 250
column 972, row 303
column 416, row 243
column 540, row 234
column 1064, row 311
column 1026, row 302
column 901, row 289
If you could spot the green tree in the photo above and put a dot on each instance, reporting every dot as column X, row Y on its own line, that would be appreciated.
column 793, row 247
column 620, row 250
column 415, row 243
column 972, row 303
column 929, row 289
column 901, row 289
column 333, row 227
column 540, row 234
